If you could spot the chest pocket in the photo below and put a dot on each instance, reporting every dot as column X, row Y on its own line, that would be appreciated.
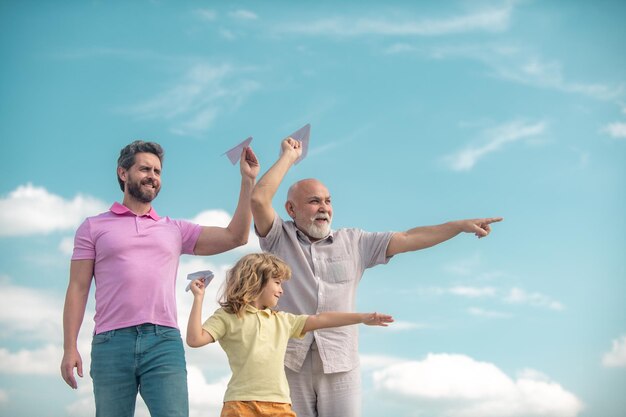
column 337, row 269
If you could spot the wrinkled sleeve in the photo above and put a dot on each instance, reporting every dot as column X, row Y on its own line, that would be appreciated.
column 216, row 324
column 189, row 233
column 297, row 324
column 373, row 248
column 273, row 236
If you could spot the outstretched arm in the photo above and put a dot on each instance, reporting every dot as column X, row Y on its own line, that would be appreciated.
column 263, row 193
column 214, row 240
column 81, row 274
column 336, row 319
column 196, row 335
column 427, row 236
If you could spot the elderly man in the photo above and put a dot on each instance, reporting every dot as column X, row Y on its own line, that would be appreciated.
column 323, row 368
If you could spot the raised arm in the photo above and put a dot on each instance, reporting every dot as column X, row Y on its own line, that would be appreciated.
column 336, row 319
column 196, row 335
column 427, row 236
column 81, row 274
column 263, row 193
column 214, row 240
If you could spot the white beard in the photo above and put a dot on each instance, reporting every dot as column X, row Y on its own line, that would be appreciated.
column 319, row 232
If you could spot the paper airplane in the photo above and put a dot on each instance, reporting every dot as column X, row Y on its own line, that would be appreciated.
column 234, row 154
column 302, row 135
column 205, row 276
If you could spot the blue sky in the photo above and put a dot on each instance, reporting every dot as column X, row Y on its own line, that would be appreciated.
column 420, row 113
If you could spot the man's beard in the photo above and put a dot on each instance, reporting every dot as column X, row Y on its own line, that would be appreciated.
column 319, row 232
column 136, row 191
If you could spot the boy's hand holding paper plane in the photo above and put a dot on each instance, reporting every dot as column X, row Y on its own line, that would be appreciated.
column 204, row 276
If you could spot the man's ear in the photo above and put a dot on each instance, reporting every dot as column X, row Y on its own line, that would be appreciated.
column 122, row 174
column 290, row 209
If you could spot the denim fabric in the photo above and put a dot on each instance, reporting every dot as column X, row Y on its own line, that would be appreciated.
column 148, row 359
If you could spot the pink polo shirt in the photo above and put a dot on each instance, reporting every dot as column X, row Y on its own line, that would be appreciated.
column 136, row 261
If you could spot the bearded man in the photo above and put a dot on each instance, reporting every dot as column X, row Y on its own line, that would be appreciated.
column 327, row 265
column 132, row 253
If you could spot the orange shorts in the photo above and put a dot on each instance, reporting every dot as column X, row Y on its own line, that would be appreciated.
column 256, row 409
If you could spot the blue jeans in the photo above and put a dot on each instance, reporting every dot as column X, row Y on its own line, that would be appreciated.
column 148, row 359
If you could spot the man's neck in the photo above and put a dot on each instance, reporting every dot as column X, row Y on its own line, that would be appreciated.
column 137, row 207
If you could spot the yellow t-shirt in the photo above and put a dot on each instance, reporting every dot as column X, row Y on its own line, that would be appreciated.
column 255, row 345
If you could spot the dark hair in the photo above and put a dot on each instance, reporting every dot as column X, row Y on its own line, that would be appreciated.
column 128, row 152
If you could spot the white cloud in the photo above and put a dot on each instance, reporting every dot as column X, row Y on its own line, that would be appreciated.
column 519, row 296
column 221, row 218
column 459, row 386
column 193, row 103
column 473, row 292
column 29, row 313
column 511, row 296
column 617, row 356
column 615, row 130
column 399, row 48
column 487, row 20
column 243, row 14
column 41, row 361
column 30, row 210
column 514, row 63
column 66, row 246
column 497, row 138
column 206, row 14
column 536, row 71
column 204, row 398
column 480, row 312
column 400, row 326
column 371, row 362
column 227, row 34
column 4, row 397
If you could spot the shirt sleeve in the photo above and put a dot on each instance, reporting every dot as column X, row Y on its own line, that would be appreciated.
column 273, row 236
column 189, row 233
column 297, row 323
column 216, row 324
column 84, row 246
column 373, row 248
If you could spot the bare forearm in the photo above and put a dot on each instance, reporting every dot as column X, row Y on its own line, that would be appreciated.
column 73, row 314
column 427, row 236
column 239, row 226
column 332, row 319
column 194, row 325
column 267, row 186
column 422, row 237
column 264, row 192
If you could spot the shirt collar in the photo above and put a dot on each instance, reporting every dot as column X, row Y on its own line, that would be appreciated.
column 305, row 238
column 121, row 209
column 252, row 309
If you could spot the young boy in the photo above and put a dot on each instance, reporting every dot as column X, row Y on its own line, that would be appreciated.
column 255, row 337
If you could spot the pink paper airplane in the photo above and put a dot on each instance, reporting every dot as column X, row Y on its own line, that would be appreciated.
column 234, row 154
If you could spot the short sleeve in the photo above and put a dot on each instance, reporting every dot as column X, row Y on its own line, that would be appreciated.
column 216, row 324
column 297, row 322
column 189, row 233
column 273, row 236
column 84, row 246
column 373, row 248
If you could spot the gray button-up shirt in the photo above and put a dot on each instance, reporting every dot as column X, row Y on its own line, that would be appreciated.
column 325, row 276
